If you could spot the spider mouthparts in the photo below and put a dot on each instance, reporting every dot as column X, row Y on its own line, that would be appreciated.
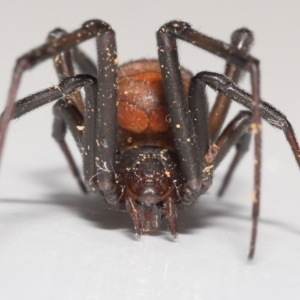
column 150, row 217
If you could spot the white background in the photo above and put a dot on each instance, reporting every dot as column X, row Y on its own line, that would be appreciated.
column 58, row 244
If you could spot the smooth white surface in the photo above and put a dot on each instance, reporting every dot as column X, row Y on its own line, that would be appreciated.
column 57, row 244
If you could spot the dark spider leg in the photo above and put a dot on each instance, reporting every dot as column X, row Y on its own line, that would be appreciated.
column 273, row 116
column 57, row 92
column 231, row 135
column 70, row 109
column 182, row 126
column 269, row 113
column 63, row 61
column 106, row 121
column 242, row 146
column 104, row 35
column 104, row 132
column 106, row 108
column 198, row 108
column 236, row 133
column 66, row 112
column 241, row 39
column 64, row 67
column 68, row 86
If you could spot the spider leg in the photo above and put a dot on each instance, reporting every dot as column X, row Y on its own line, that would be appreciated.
column 71, row 116
column 104, row 130
column 70, row 109
column 51, row 94
column 62, row 110
column 241, row 39
column 242, row 146
column 236, row 133
column 66, row 113
column 64, row 67
column 182, row 126
column 198, row 108
column 63, row 61
column 269, row 113
column 273, row 116
column 107, row 88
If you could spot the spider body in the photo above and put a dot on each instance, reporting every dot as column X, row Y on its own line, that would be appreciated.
column 147, row 166
column 147, row 138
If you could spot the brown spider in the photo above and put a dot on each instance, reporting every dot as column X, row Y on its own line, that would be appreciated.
column 144, row 131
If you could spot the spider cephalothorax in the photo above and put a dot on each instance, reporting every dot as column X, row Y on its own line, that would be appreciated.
column 146, row 136
column 151, row 183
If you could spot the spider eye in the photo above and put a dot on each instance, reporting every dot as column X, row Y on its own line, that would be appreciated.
column 149, row 182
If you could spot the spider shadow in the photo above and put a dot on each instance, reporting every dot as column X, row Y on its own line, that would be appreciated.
column 93, row 208
column 206, row 213
column 98, row 213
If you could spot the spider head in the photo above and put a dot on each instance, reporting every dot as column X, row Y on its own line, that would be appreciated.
column 150, row 183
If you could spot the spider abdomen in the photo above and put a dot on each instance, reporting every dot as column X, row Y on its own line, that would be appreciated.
column 143, row 117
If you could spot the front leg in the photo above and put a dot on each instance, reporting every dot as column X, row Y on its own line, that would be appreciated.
column 182, row 127
column 97, row 29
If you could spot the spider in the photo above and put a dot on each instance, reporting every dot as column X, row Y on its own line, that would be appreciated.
column 147, row 140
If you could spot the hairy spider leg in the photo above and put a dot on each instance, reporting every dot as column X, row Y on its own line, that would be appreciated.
column 198, row 108
column 237, row 133
column 67, row 113
column 241, row 123
column 72, row 103
column 241, row 39
column 63, row 64
column 182, row 126
column 106, row 138
column 269, row 113
column 64, row 67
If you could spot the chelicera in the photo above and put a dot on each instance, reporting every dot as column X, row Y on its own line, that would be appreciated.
column 147, row 139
